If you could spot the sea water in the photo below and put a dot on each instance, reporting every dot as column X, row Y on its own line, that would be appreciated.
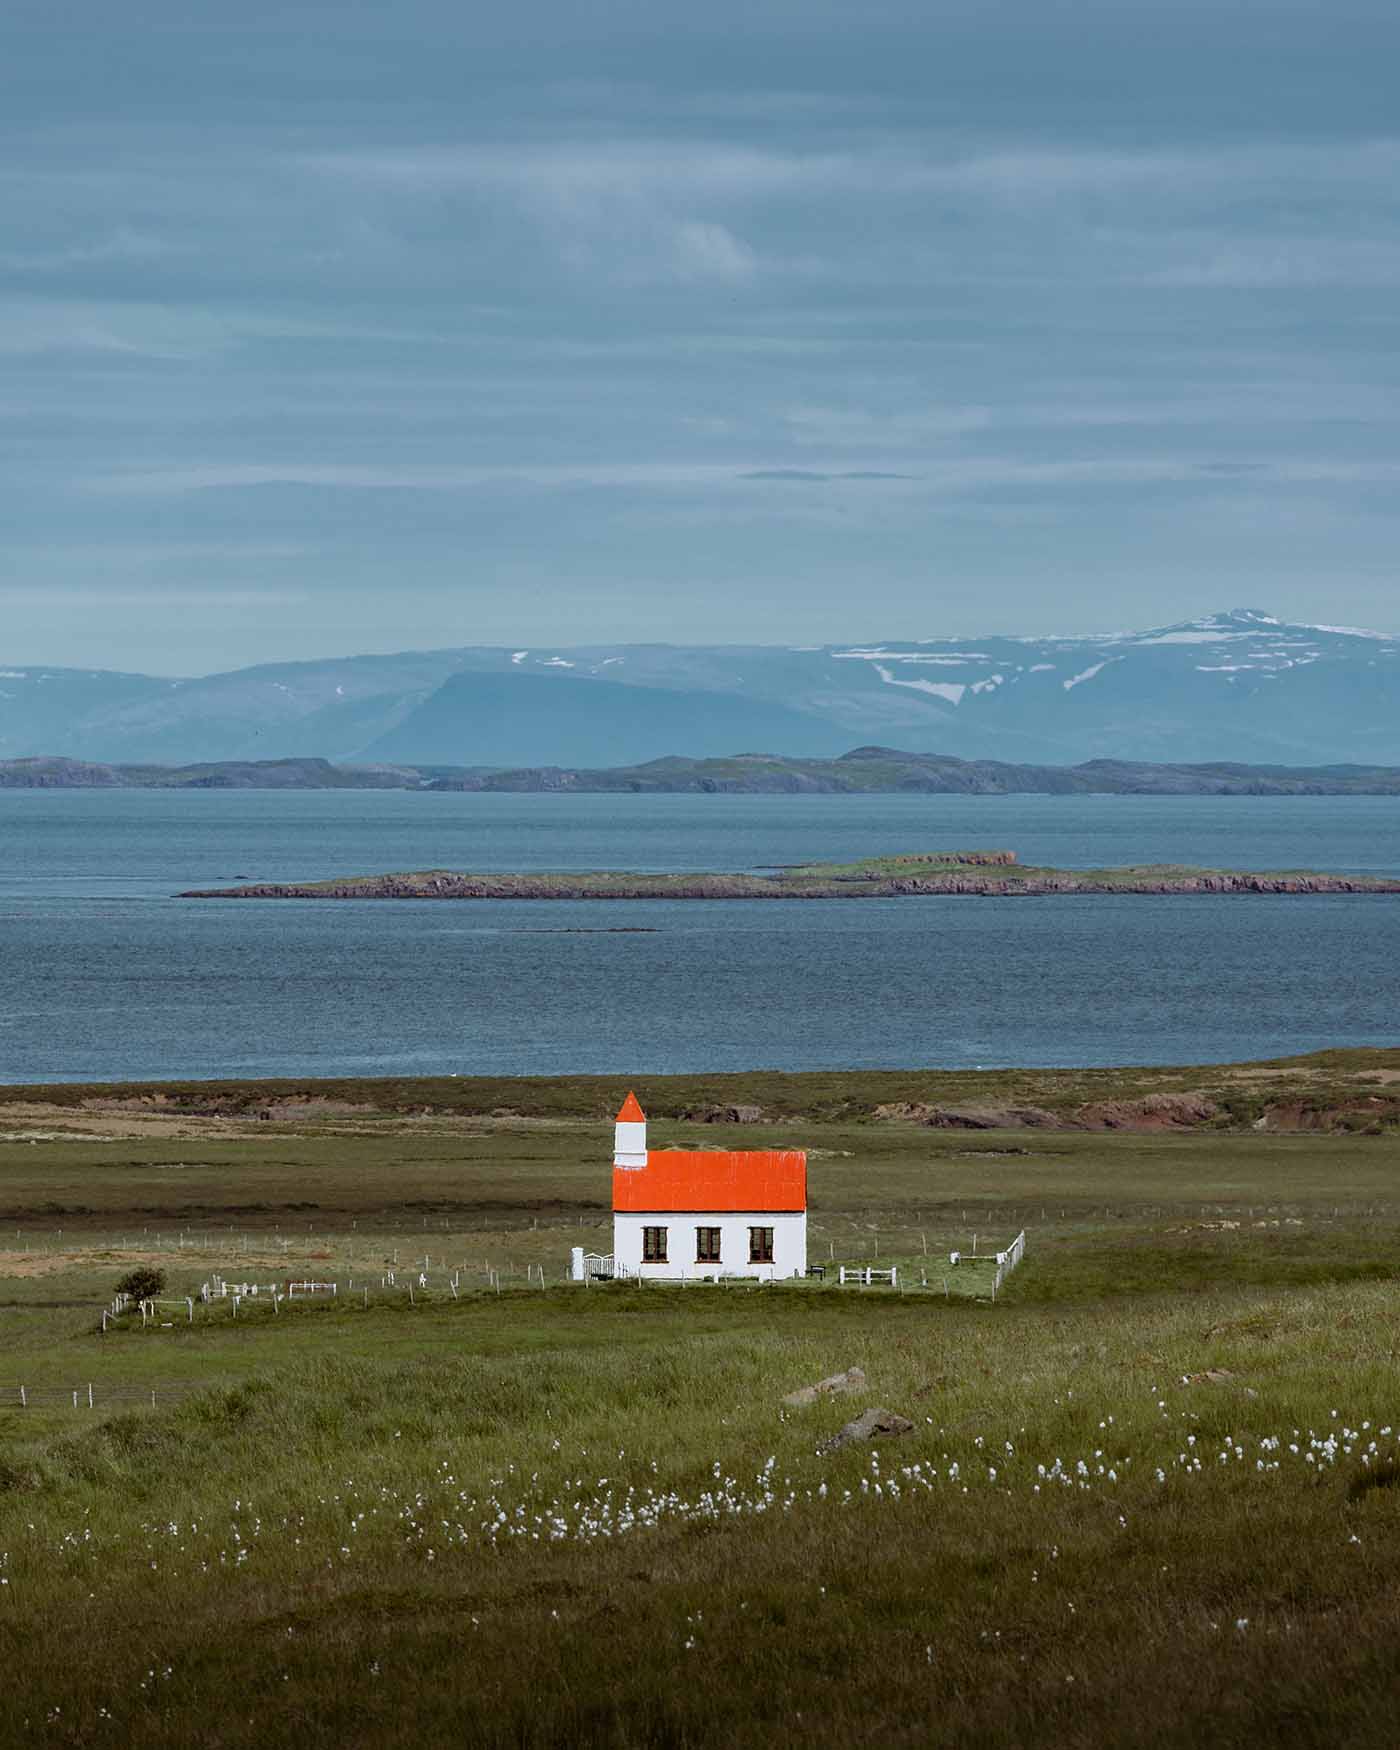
column 105, row 975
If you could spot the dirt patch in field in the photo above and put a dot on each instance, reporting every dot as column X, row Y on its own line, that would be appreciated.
column 1184, row 1111
column 1378, row 1078
column 130, row 1120
column 287, row 1110
column 50, row 1136
column 99, row 1122
column 970, row 1117
column 1377, row 1111
column 1270, row 1075
column 1155, row 1112
column 52, row 1263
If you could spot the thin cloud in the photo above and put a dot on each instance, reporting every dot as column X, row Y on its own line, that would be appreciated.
column 955, row 475
column 808, row 474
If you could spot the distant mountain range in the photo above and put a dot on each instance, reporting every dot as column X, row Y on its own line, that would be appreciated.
column 865, row 770
column 1241, row 686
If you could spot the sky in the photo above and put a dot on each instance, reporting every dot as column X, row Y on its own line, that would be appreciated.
column 329, row 328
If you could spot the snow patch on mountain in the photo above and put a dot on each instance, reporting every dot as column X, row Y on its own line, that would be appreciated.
column 1354, row 632
column 1088, row 673
column 952, row 691
column 953, row 659
column 1212, row 637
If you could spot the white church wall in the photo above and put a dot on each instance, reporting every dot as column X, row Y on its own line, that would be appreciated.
column 789, row 1244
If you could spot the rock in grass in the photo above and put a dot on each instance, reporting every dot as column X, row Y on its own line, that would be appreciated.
column 853, row 1379
column 875, row 1424
column 711, row 1114
column 992, row 1118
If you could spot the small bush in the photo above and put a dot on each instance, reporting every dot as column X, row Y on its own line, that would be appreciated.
column 142, row 1283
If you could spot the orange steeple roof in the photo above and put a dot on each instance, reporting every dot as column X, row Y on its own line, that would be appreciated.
column 631, row 1112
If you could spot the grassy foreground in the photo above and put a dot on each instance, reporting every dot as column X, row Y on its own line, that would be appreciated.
column 1152, row 1496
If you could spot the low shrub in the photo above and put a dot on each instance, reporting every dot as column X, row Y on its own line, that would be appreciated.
column 142, row 1283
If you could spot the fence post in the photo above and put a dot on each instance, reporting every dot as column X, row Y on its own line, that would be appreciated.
column 23, row 1400
column 89, row 1394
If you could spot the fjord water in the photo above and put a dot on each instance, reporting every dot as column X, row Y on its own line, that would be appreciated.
column 104, row 975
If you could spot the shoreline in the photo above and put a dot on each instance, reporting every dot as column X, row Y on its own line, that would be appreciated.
column 1354, row 1091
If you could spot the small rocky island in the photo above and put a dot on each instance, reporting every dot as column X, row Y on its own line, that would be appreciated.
column 988, row 874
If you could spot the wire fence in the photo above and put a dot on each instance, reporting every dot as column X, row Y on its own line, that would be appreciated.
column 99, row 1395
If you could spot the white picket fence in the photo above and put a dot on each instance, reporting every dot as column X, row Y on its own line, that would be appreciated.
column 868, row 1275
column 219, row 1289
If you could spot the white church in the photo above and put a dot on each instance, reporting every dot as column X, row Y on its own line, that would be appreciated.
column 703, row 1213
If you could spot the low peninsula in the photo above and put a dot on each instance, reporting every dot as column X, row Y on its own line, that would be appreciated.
column 985, row 874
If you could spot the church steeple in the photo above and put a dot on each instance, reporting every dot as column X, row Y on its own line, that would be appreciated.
column 630, row 1135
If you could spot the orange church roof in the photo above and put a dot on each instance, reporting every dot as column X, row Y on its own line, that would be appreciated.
column 702, row 1180
column 631, row 1112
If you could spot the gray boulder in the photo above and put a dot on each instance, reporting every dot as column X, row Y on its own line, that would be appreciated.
column 853, row 1379
column 875, row 1424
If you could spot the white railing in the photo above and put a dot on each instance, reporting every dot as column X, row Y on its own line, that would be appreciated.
column 600, row 1267
column 1005, row 1262
column 1010, row 1258
column 867, row 1276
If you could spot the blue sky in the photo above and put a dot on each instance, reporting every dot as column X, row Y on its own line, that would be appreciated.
column 331, row 328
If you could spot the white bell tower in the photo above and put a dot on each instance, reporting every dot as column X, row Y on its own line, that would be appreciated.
column 630, row 1135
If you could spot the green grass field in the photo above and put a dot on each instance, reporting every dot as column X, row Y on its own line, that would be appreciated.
column 1149, row 1497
